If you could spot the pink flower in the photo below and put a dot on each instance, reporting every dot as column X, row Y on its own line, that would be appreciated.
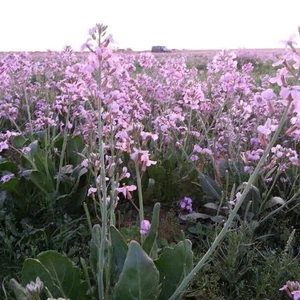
column 142, row 157
column 293, row 92
column 3, row 146
column 91, row 191
column 145, row 226
column 146, row 135
column 126, row 190
column 268, row 94
column 284, row 288
column 280, row 77
column 26, row 150
column 85, row 163
column 265, row 129
column 124, row 174
column 197, row 149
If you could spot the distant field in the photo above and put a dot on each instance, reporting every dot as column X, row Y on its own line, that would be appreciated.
column 208, row 52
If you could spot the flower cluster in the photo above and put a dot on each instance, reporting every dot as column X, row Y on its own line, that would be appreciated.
column 186, row 204
column 292, row 288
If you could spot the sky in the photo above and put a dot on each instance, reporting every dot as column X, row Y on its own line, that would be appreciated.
column 41, row 25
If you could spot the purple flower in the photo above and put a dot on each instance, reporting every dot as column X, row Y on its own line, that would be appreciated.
column 145, row 226
column 186, row 204
column 296, row 295
column 7, row 177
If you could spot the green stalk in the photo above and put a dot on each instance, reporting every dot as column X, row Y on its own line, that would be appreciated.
column 63, row 150
column 177, row 294
column 188, row 129
column 141, row 203
column 101, row 255
column 88, row 217
column 86, row 274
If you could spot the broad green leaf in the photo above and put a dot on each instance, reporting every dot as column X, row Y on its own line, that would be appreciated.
column 77, row 174
column 33, row 268
column 150, row 240
column 223, row 166
column 11, row 185
column 64, row 274
column 173, row 265
column 94, row 246
column 210, row 187
column 75, row 145
column 253, row 195
column 67, row 169
column 218, row 219
column 140, row 278
column 19, row 291
column 275, row 201
column 33, row 149
column 19, row 141
column 119, row 252
column 194, row 216
column 9, row 166
column 211, row 205
column 42, row 182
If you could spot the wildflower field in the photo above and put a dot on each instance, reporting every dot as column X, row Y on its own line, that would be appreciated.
column 134, row 176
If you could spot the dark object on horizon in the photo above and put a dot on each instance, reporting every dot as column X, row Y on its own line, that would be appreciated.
column 160, row 49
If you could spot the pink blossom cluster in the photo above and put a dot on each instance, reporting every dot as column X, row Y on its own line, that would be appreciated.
column 145, row 113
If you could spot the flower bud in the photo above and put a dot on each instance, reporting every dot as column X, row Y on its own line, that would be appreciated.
column 145, row 226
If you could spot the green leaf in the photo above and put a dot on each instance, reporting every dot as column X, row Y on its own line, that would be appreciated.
column 210, row 187
column 150, row 240
column 75, row 145
column 77, row 174
column 9, row 166
column 139, row 278
column 253, row 195
column 33, row 268
column 19, row 291
column 218, row 219
column 211, row 205
column 19, row 141
column 33, row 149
column 275, row 201
column 194, row 216
column 58, row 274
column 94, row 246
column 42, row 181
column 173, row 265
column 11, row 185
column 119, row 251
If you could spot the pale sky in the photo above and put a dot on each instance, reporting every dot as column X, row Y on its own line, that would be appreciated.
column 39, row 25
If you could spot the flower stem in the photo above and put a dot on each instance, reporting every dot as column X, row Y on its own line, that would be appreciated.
column 141, row 203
